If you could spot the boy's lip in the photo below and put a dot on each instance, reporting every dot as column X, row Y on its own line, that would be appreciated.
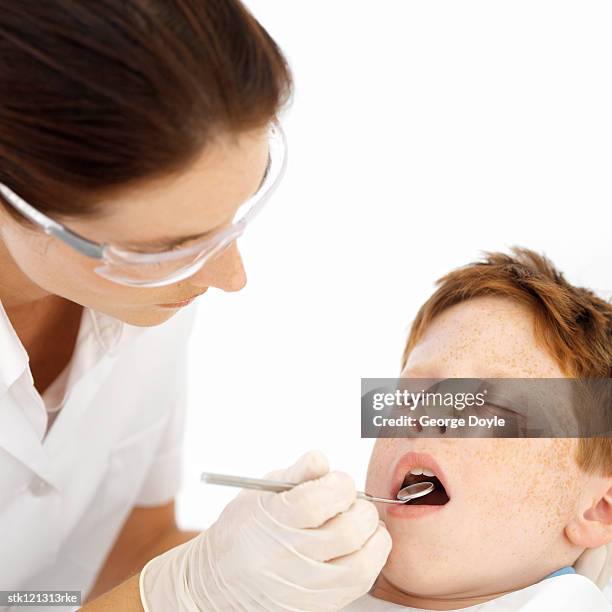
column 402, row 466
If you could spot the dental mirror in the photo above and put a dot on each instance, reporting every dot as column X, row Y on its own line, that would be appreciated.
column 415, row 490
column 418, row 489
column 412, row 491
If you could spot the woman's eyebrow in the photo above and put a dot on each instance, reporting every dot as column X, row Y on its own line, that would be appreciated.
column 172, row 242
column 168, row 242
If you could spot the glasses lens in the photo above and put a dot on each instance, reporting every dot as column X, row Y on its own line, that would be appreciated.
column 164, row 268
column 161, row 273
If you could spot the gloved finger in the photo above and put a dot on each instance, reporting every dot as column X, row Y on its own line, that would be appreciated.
column 309, row 466
column 341, row 535
column 365, row 564
column 312, row 464
column 312, row 503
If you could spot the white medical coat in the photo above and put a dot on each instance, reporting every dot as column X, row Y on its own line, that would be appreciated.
column 114, row 444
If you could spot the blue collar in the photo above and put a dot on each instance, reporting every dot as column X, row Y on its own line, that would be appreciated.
column 564, row 570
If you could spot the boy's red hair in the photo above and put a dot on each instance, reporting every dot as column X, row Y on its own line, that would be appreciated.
column 572, row 323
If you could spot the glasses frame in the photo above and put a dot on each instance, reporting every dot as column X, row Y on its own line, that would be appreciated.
column 112, row 254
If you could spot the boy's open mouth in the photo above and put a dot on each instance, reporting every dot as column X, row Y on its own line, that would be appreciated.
column 438, row 497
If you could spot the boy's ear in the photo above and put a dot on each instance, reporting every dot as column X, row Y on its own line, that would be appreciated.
column 593, row 527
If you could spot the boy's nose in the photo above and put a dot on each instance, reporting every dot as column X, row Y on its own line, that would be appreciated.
column 225, row 271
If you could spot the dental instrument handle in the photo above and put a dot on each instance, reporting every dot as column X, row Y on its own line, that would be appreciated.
column 381, row 500
column 276, row 486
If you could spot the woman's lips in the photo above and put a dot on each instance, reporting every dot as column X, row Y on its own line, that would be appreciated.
column 402, row 466
column 182, row 302
column 177, row 304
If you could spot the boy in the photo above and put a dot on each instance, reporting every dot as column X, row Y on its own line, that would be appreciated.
column 519, row 516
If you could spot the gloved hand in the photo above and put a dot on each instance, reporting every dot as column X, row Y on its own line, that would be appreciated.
column 313, row 548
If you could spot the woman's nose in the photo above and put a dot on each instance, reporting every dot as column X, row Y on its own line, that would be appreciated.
column 225, row 271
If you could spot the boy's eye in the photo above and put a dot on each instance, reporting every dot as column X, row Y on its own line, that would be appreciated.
column 516, row 423
column 500, row 411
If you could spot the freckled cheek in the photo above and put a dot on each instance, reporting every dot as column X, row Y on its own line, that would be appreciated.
column 556, row 481
column 385, row 453
column 522, row 481
column 487, row 476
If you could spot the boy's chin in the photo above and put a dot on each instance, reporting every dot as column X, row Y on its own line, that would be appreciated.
column 418, row 566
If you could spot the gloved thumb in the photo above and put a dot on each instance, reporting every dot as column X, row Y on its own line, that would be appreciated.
column 309, row 466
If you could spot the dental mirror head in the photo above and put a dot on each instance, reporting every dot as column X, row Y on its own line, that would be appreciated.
column 415, row 490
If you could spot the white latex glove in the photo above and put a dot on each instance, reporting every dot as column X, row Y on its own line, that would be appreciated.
column 313, row 548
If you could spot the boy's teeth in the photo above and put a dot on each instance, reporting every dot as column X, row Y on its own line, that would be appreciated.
column 417, row 471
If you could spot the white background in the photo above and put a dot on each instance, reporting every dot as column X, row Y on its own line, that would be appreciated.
column 420, row 134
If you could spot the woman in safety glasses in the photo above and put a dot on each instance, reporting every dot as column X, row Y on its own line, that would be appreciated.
column 138, row 139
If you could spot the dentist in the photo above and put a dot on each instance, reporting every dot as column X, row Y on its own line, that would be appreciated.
column 138, row 140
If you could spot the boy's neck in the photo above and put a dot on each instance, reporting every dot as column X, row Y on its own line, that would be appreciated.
column 383, row 589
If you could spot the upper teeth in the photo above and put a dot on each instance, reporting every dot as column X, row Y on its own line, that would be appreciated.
column 417, row 471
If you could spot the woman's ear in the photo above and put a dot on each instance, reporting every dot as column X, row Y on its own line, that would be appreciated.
column 593, row 526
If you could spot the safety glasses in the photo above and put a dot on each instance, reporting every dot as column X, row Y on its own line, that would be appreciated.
column 157, row 269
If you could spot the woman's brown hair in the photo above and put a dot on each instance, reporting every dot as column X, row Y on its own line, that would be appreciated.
column 95, row 96
column 572, row 323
